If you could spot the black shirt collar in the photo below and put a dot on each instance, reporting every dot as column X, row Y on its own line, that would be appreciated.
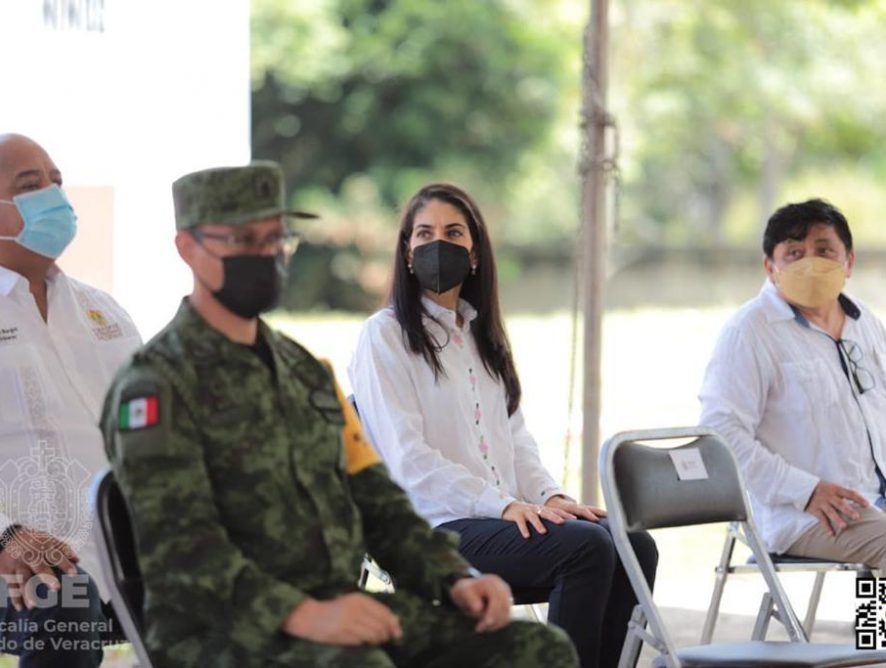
column 849, row 308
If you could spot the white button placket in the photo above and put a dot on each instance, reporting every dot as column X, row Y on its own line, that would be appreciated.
column 473, row 380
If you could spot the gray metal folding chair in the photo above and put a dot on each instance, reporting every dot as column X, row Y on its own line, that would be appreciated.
column 782, row 564
column 112, row 532
column 643, row 491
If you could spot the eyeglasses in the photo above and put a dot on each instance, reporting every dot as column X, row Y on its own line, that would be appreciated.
column 247, row 242
column 852, row 354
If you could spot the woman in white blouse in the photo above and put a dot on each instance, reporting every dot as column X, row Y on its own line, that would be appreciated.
column 439, row 396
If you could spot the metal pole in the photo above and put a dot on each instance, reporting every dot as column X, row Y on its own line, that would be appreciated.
column 594, row 119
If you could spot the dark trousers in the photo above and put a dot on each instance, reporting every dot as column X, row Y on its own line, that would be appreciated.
column 591, row 597
column 68, row 629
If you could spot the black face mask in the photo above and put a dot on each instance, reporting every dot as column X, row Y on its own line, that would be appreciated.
column 440, row 265
column 252, row 284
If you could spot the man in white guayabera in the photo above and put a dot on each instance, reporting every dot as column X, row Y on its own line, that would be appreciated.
column 60, row 344
column 797, row 385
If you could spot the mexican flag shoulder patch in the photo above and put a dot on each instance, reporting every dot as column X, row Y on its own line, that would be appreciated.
column 139, row 413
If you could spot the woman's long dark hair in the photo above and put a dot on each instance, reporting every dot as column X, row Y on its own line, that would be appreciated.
column 480, row 290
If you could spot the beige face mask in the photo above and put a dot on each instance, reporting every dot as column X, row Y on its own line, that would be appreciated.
column 811, row 281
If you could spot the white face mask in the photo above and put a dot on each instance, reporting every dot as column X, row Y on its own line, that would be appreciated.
column 811, row 282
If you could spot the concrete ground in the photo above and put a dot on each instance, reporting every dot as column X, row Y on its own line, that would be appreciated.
column 685, row 628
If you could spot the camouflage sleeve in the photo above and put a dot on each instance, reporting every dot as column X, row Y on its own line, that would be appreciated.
column 191, row 569
column 419, row 558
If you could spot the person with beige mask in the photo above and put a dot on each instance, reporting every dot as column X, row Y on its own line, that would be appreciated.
column 797, row 385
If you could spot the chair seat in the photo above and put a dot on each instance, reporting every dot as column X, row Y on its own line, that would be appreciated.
column 528, row 596
column 790, row 559
column 776, row 654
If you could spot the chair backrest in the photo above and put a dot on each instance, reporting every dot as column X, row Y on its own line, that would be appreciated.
column 643, row 491
column 116, row 547
column 653, row 496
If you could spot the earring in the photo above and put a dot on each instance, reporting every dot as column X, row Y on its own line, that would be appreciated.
column 410, row 269
column 473, row 270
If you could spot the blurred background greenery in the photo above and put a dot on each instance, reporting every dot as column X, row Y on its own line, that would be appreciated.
column 725, row 111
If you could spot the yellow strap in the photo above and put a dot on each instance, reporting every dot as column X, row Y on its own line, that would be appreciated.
column 359, row 452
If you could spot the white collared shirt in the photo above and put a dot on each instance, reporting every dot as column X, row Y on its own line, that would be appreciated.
column 776, row 390
column 448, row 442
column 53, row 379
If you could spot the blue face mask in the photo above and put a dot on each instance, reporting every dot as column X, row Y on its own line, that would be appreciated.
column 49, row 221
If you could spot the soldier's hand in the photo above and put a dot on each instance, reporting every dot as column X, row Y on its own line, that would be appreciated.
column 830, row 504
column 486, row 598
column 31, row 553
column 352, row 619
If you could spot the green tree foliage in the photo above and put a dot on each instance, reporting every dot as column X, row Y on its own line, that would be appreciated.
column 363, row 101
column 725, row 110
column 398, row 89
column 719, row 98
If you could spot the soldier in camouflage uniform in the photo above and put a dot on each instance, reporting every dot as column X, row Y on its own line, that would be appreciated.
column 253, row 496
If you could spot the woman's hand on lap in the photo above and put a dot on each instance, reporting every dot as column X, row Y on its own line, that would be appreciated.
column 526, row 514
column 576, row 510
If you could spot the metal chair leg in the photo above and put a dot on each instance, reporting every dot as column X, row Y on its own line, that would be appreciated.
column 630, row 651
column 766, row 612
column 814, row 598
column 719, row 585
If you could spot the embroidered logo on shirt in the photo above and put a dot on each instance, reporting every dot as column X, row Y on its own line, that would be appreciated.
column 97, row 317
column 103, row 330
column 8, row 334
column 139, row 413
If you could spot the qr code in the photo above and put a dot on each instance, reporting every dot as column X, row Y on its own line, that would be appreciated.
column 870, row 628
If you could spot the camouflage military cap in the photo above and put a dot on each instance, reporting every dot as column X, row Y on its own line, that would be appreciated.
column 231, row 196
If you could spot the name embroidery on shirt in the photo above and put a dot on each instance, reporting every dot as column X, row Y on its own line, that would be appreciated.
column 8, row 334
